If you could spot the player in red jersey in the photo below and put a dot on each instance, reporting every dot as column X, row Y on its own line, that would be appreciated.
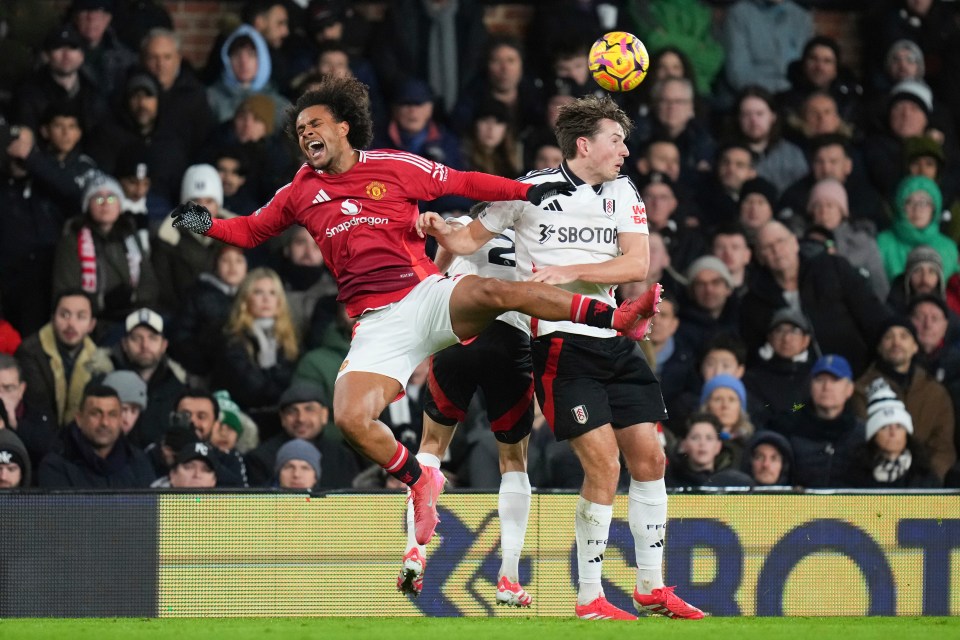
column 361, row 209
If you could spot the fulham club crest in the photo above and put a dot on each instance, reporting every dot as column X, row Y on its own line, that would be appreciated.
column 609, row 207
column 580, row 414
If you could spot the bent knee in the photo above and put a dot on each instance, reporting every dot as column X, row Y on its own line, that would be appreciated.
column 352, row 421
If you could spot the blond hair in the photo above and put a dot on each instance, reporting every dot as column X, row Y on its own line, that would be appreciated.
column 240, row 322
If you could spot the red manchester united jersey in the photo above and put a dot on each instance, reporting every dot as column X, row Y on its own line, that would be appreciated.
column 364, row 220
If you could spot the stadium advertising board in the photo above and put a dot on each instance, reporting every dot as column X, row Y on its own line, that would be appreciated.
column 769, row 555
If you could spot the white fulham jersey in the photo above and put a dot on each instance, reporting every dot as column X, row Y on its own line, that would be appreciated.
column 495, row 259
column 581, row 228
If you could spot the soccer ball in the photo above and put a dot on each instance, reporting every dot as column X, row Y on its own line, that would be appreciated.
column 619, row 61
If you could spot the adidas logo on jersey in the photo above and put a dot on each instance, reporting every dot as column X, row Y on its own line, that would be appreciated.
column 321, row 197
column 553, row 206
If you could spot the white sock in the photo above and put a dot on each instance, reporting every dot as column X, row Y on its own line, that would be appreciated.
column 426, row 460
column 593, row 529
column 647, row 514
column 412, row 533
column 513, row 507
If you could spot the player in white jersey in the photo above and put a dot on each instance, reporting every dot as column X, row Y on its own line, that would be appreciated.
column 497, row 362
column 596, row 388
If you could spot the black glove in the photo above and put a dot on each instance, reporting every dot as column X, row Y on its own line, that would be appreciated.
column 540, row 192
column 191, row 216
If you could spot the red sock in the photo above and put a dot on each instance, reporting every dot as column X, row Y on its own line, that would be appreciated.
column 403, row 466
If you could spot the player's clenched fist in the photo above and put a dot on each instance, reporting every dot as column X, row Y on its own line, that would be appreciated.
column 191, row 216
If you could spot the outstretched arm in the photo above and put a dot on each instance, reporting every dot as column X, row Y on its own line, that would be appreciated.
column 631, row 266
column 243, row 231
column 457, row 239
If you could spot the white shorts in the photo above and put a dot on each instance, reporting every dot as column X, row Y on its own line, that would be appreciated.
column 393, row 340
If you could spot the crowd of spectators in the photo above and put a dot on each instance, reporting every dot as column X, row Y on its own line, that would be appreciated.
column 804, row 219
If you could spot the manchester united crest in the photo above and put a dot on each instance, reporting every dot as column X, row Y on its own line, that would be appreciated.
column 376, row 190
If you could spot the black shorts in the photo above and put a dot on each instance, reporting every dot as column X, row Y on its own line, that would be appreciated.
column 498, row 363
column 584, row 382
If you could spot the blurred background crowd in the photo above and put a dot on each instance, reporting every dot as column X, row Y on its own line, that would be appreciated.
column 803, row 204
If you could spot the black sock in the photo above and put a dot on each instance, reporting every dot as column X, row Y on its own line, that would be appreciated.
column 591, row 312
column 403, row 466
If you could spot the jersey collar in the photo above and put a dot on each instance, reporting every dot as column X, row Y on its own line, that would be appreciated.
column 574, row 179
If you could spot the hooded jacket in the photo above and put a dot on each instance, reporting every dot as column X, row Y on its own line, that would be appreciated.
column 226, row 94
column 781, row 444
column 896, row 242
column 10, row 442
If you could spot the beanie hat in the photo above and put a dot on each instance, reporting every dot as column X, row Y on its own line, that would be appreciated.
column 920, row 255
column 262, row 108
column 910, row 185
column 897, row 320
column 915, row 53
column 916, row 91
column 13, row 451
column 935, row 300
column 921, row 146
column 713, row 264
column 789, row 315
column 724, row 380
column 101, row 183
column 129, row 386
column 229, row 411
column 201, row 181
column 829, row 190
column 762, row 186
column 298, row 449
column 884, row 408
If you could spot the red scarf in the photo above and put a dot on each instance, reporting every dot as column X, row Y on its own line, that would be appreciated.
column 88, row 260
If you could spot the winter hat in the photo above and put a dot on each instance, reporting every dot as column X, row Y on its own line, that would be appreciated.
column 129, row 386
column 916, row 91
column 777, row 441
column 915, row 53
column 920, row 255
column 262, row 108
column 13, row 451
column 101, row 183
column 229, row 411
column 762, row 186
column 133, row 162
column 303, row 391
column 897, row 320
column 884, row 408
column 829, row 190
column 912, row 184
column 921, row 146
column 939, row 301
column 713, row 264
column 201, row 181
column 724, row 380
column 298, row 449
column 789, row 315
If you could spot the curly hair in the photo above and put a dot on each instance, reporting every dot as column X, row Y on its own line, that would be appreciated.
column 347, row 99
column 581, row 119
column 240, row 322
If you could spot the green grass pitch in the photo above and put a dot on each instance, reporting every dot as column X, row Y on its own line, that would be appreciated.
column 467, row 628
